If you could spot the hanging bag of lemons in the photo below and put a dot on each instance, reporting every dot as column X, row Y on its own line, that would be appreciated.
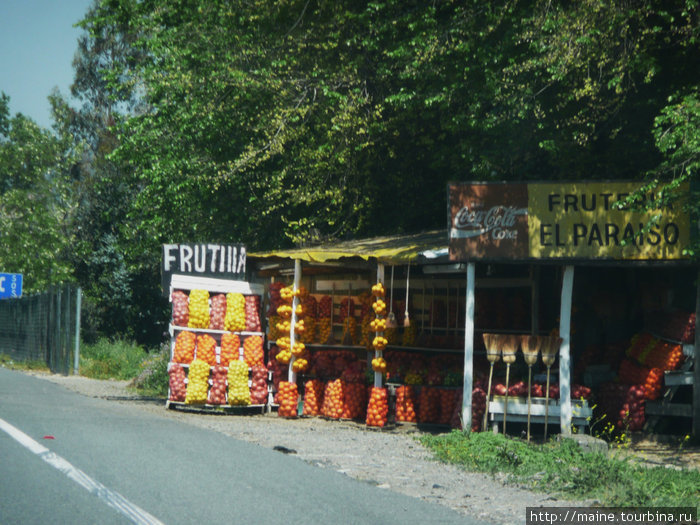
column 197, row 383
column 235, row 312
column 238, row 391
column 199, row 309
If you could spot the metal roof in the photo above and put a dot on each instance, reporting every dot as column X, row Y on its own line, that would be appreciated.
column 396, row 249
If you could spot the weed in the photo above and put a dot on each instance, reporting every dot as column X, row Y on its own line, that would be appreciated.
column 563, row 468
column 111, row 359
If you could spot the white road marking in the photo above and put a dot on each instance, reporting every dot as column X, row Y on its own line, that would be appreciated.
column 110, row 497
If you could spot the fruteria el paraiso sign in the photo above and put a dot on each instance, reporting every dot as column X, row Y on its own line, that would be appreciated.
column 10, row 285
column 575, row 220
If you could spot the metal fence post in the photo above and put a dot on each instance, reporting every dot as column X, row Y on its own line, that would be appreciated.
column 76, row 353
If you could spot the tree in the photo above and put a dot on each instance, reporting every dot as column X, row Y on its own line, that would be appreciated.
column 35, row 200
column 112, row 281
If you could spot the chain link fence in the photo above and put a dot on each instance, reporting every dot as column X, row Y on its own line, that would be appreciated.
column 43, row 327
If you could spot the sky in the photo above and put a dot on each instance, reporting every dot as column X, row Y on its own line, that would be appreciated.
column 37, row 44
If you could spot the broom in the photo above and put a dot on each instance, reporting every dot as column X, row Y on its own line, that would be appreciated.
column 510, row 347
column 493, row 354
column 550, row 347
column 530, row 345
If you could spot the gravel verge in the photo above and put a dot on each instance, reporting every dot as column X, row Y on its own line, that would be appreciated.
column 390, row 459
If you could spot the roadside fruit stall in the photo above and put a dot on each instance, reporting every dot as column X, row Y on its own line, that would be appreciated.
column 216, row 338
column 542, row 307
column 407, row 318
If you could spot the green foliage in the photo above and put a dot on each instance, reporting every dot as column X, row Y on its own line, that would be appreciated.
column 564, row 468
column 111, row 359
column 35, row 200
column 153, row 377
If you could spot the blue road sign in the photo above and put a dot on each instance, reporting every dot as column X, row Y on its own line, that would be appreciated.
column 10, row 285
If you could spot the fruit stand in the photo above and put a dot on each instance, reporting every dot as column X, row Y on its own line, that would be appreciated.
column 415, row 352
column 216, row 339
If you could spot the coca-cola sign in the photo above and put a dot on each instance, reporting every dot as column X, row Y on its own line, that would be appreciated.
column 565, row 220
column 488, row 220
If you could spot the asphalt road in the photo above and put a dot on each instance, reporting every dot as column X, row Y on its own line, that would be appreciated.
column 108, row 463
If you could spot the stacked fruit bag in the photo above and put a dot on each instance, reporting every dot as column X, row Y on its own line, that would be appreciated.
column 199, row 309
column 253, row 350
column 313, row 397
column 333, row 399
column 252, row 313
column 378, row 407
column 181, row 313
column 354, row 401
column 217, row 392
column 310, row 307
column 288, row 399
column 235, row 320
column 651, row 379
column 206, row 349
column 406, row 404
column 218, row 312
column 429, row 405
column 324, row 320
column 197, row 383
column 622, row 405
column 238, row 392
column 178, row 389
column 230, row 348
column 258, row 387
column 185, row 344
column 346, row 317
column 447, row 399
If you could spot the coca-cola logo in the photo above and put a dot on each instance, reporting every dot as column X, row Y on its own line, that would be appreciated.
column 499, row 221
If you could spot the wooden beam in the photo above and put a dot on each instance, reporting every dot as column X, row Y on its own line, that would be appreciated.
column 567, row 289
column 468, row 351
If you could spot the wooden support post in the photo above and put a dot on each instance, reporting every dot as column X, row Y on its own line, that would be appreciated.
column 567, row 289
column 295, row 302
column 468, row 351
column 696, row 365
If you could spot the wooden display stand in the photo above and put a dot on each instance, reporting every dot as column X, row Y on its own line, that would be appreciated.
column 517, row 411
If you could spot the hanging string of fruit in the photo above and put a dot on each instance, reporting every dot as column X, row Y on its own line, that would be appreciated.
column 284, row 312
column 300, row 356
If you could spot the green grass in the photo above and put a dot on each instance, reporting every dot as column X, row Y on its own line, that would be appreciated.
column 562, row 468
column 108, row 359
column 8, row 362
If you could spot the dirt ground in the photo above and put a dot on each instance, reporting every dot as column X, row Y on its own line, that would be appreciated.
column 389, row 459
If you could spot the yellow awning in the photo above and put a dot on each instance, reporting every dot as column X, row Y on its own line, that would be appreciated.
column 395, row 249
